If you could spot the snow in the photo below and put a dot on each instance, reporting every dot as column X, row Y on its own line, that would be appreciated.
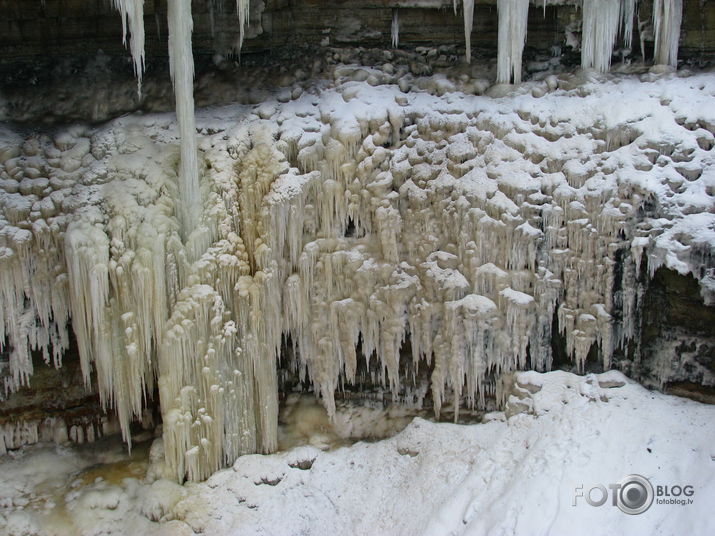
column 516, row 473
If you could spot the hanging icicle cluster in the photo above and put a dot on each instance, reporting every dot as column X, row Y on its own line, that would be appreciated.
column 667, row 17
column 132, row 12
column 513, row 15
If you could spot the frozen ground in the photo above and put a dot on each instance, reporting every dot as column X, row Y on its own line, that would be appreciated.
column 505, row 476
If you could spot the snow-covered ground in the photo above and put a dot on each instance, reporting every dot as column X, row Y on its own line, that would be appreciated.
column 504, row 476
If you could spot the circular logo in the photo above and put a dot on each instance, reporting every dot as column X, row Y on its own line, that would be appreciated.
column 635, row 494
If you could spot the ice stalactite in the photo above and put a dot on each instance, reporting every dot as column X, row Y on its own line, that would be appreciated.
column 468, row 7
column 513, row 15
column 181, row 61
column 667, row 17
column 35, row 202
column 85, row 429
column 121, row 277
column 132, row 12
column 601, row 21
column 395, row 28
column 243, row 9
column 629, row 8
column 200, row 385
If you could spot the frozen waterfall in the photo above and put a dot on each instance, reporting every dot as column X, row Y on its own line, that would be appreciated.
column 481, row 226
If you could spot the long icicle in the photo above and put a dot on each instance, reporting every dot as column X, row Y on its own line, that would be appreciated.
column 244, row 15
column 629, row 7
column 181, row 62
column 513, row 15
column 468, row 22
column 667, row 17
column 395, row 29
column 601, row 19
column 132, row 12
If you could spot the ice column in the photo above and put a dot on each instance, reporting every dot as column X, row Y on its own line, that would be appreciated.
column 667, row 16
column 182, row 74
column 513, row 15
column 601, row 19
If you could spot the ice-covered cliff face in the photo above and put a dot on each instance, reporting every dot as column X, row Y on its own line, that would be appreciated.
column 352, row 213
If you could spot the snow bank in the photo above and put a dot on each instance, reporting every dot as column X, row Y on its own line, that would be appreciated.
column 515, row 475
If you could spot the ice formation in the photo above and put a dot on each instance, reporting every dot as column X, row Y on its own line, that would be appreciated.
column 513, row 15
column 468, row 6
column 181, row 61
column 477, row 223
column 629, row 8
column 395, row 28
column 667, row 16
column 132, row 12
column 243, row 10
column 601, row 21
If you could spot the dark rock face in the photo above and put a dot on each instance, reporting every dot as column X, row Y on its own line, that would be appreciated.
column 677, row 337
column 58, row 406
column 55, row 406
column 50, row 51
column 71, row 27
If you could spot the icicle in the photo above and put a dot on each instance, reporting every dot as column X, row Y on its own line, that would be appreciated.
column 132, row 12
column 513, row 15
column 629, row 7
column 182, row 74
column 243, row 8
column 667, row 17
column 468, row 22
column 395, row 28
column 601, row 19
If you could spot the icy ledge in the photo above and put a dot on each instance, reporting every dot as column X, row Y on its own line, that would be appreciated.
column 468, row 224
